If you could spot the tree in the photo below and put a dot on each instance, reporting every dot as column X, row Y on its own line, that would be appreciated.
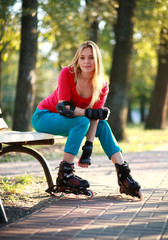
column 26, row 77
column 63, row 22
column 92, row 26
column 142, row 75
column 158, row 109
column 96, row 12
column 120, row 71
column 7, row 41
column 151, row 18
column 68, row 23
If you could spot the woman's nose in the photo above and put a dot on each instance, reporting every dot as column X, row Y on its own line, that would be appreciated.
column 86, row 60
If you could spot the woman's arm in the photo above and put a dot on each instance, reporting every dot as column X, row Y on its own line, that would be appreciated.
column 87, row 148
column 67, row 109
column 92, row 130
column 77, row 112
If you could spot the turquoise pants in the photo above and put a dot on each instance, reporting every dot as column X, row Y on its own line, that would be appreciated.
column 75, row 130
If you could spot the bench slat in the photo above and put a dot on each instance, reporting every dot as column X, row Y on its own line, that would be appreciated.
column 3, row 124
column 16, row 136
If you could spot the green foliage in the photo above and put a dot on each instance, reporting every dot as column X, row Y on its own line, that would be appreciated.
column 66, row 23
column 151, row 16
column 63, row 26
column 9, row 79
column 9, row 28
column 9, row 42
column 144, row 66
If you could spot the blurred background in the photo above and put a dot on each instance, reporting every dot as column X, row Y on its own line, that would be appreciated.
column 39, row 37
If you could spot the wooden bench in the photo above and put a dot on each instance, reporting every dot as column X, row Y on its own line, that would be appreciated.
column 14, row 141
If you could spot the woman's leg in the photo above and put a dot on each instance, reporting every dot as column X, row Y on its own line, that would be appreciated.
column 75, row 129
column 113, row 151
column 108, row 142
column 117, row 158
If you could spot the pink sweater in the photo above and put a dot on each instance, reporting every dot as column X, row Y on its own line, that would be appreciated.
column 66, row 90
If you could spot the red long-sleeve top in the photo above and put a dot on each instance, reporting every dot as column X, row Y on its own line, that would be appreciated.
column 66, row 90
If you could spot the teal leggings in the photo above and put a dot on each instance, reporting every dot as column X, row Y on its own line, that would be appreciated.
column 75, row 129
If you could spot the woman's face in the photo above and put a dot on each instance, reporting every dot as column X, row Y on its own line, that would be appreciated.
column 86, row 60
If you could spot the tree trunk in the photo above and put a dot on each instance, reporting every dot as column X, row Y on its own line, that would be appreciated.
column 158, row 109
column 94, row 30
column 92, row 22
column 142, row 107
column 26, row 78
column 129, row 117
column 120, row 71
column 0, row 79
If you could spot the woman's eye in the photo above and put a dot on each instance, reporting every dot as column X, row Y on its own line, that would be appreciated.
column 87, row 58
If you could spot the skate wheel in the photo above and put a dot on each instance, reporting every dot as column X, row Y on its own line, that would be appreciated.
column 57, row 194
column 67, row 195
column 78, row 195
column 90, row 194
column 140, row 195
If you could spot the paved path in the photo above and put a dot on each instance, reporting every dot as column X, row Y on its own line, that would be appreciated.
column 107, row 215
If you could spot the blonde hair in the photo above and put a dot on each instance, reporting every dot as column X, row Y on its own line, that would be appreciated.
column 97, row 80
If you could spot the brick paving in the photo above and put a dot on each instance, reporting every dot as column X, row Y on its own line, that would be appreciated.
column 108, row 215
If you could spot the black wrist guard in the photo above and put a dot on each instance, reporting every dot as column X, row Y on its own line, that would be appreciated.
column 86, row 155
column 61, row 109
column 96, row 113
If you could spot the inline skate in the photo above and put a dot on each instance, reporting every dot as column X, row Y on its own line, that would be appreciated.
column 67, row 182
column 127, row 184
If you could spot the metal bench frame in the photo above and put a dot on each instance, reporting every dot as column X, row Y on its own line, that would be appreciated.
column 19, row 146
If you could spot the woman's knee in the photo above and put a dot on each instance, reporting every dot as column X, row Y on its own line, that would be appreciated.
column 104, row 124
column 102, row 127
column 83, row 122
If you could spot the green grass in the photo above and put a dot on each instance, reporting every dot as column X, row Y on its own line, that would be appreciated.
column 15, row 184
column 139, row 140
column 15, row 157
column 11, row 188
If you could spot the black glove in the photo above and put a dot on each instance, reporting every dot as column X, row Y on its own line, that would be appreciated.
column 61, row 109
column 97, row 113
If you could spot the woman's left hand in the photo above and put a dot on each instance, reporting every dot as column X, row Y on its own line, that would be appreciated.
column 83, row 165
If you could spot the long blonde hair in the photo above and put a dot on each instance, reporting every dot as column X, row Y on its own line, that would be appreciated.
column 97, row 80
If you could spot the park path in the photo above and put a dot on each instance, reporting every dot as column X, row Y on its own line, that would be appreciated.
column 107, row 215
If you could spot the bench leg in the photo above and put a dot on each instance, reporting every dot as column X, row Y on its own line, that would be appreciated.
column 34, row 153
column 3, row 216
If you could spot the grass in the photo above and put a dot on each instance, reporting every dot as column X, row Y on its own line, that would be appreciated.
column 139, row 140
column 23, row 195
column 14, row 187
column 22, row 191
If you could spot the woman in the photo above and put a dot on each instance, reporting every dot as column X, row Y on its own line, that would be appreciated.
column 76, row 109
